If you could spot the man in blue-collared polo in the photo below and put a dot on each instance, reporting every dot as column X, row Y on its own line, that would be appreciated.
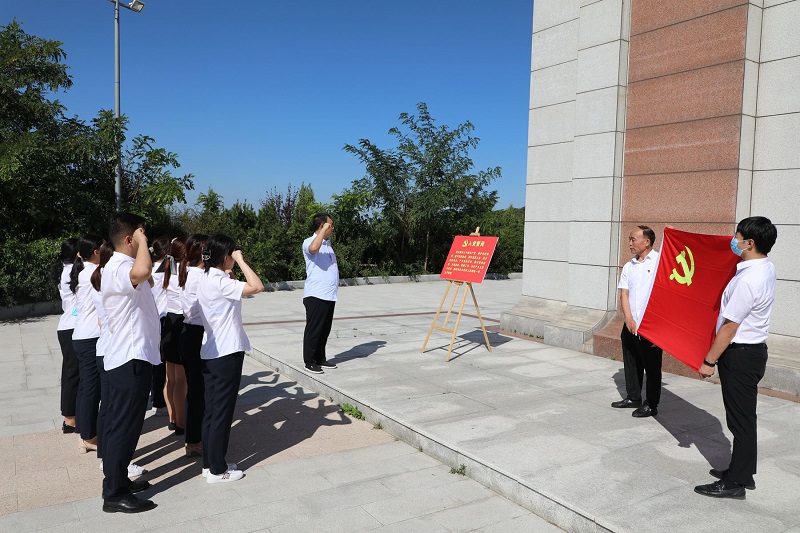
column 319, row 293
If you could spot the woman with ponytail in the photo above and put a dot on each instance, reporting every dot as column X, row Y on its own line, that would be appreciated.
column 70, row 377
column 191, row 269
column 84, row 339
column 158, row 250
column 171, row 327
column 220, row 299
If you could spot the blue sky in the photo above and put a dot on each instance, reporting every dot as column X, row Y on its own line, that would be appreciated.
column 261, row 94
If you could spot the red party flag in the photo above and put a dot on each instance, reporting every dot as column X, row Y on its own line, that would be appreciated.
column 681, row 315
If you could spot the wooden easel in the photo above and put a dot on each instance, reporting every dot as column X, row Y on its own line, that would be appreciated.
column 444, row 327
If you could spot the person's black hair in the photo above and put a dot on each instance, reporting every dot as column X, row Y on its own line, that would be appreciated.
column 648, row 233
column 122, row 225
column 218, row 247
column 159, row 248
column 106, row 251
column 761, row 230
column 86, row 247
column 65, row 257
column 195, row 245
column 319, row 220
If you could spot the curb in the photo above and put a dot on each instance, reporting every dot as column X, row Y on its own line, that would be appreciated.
column 563, row 514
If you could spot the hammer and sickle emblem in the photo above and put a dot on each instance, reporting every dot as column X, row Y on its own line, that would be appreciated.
column 688, row 272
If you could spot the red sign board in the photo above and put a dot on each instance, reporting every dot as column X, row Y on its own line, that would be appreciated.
column 469, row 258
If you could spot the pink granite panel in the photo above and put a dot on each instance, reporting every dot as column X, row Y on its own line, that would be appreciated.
column 708, row 144
column 704, row 93
column 697, row 43
column 647, row 15
column 707, row 197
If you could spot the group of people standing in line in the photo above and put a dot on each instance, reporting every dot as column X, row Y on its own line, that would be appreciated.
column 739, row 349
column 128, row 308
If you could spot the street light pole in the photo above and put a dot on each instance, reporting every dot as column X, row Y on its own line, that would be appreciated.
column 136, row 6
column 118, row 173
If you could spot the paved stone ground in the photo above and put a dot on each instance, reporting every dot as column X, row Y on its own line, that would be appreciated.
column 308, row 467
column 533, row 421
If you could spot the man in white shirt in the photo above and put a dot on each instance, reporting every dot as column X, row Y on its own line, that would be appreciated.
column 639, row 355
column 319, row 293
column 132, row 350
column 740, row 351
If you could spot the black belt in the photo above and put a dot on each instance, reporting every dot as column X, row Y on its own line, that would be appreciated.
column 742, row 346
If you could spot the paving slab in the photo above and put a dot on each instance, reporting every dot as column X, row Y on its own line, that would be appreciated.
column 308, row 467
column 534, row 422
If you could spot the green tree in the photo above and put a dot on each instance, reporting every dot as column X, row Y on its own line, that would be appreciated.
column 420, row 194
column 57, row 172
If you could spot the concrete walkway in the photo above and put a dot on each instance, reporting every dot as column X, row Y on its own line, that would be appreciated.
column 533, row 422
column 308, row 467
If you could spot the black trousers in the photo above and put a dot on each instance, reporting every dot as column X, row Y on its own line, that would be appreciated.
column 70, row 375
column 319, row 318
column 101, row 413
column 639, row 355
column 129, row 387
column 222, row 377
column 741, row 367
column 190, row 340
column 89, row 389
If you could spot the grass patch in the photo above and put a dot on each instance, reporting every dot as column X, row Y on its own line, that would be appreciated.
column 377, row 425
column 461, row 470
column 353, row 411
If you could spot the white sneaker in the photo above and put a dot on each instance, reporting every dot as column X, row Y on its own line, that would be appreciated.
column 135, row 470
column 230, row 475
column 231, row 466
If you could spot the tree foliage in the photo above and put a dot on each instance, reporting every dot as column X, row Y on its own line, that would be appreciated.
column 421, row 193
column 57, row 181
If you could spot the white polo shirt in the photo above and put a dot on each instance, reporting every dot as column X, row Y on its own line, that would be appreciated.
column 747, row 300
column 637, row 276
column 159, row 292
column 132, row 315
column 69, row 305
column 220, row 299
column 189, row 304
column 105, row 336
column 322, row 271
column 174, row 295
column 86, row 326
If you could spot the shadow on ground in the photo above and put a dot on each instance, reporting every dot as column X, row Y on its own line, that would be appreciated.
column 270, row 417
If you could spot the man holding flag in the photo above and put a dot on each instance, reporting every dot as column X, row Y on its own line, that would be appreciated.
column 638, row 353
column 740, row 351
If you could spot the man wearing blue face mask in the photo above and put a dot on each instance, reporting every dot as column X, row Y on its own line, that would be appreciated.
column 740, row 351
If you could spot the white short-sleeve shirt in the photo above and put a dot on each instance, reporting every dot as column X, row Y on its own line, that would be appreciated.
column 86, row 325
column 189, row 304
column 132, row 315
column 69, row 304
column 637, row 276
column 102, row 342
column 322, row 271
column 220, row 299
column 159, row 292
column 174, row 296
column 747, row 300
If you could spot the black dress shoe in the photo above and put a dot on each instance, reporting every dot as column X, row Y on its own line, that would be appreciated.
column 644, row 411
column 722, row 474
column 721, row 489
column 626, row 403
column 128, row 504
column 65, row 428
column 138, row 486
